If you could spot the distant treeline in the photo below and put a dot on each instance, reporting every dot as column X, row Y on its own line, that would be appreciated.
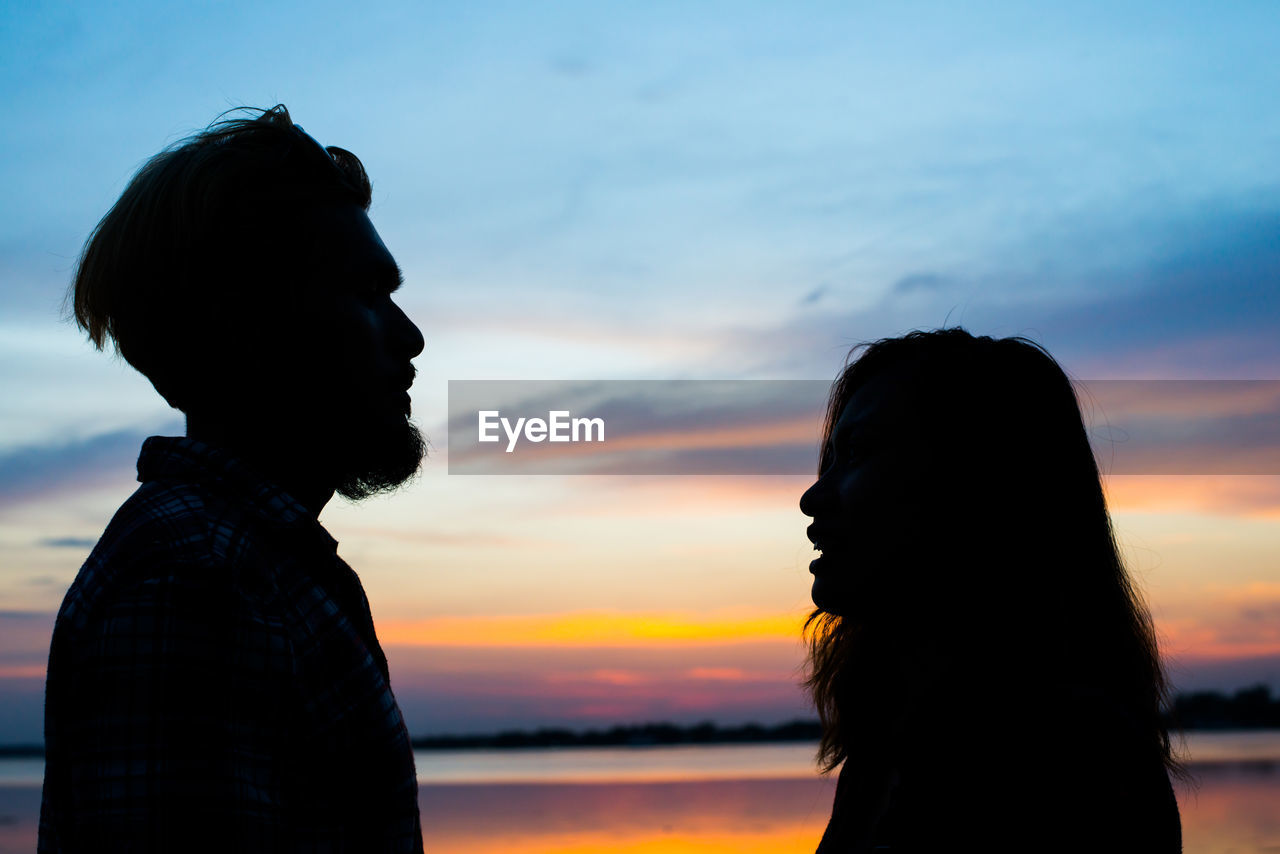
column 1248, row 708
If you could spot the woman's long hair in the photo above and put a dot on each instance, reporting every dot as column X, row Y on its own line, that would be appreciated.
column 1009, row 560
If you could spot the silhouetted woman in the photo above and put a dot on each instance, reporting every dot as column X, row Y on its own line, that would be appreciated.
column 984, row 669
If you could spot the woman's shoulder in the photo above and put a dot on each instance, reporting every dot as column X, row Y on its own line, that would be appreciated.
column 1094, row 782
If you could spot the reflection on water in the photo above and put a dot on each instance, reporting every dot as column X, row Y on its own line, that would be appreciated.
column 752, row 799
column 19, row 817
column 1234, row 811
column 571, row 818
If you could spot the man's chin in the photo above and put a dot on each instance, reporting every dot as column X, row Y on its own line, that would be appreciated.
column 382, row 463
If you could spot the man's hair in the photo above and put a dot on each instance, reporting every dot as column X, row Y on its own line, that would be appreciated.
column 207, row 240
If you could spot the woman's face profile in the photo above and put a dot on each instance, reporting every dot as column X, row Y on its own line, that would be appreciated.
column 861, row 502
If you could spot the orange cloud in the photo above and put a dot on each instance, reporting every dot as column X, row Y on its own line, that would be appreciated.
column 628, row 453
column 1208, row 646
column 718, row 674
column 1241, row 621
column 619, row 677
column 1255, row 496
column 1202, row 642
column 1104, row 400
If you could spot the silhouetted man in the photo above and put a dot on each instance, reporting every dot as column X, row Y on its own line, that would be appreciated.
column 214, row 681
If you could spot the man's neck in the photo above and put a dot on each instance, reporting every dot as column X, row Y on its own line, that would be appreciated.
column 278, row 461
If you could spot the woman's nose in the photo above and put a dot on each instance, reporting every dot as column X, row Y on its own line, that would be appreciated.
column 812, row 499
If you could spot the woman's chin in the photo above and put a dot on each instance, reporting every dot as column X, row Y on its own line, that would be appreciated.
column 826, row 597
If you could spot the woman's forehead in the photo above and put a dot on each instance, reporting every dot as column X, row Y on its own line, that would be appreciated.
column 886, row 401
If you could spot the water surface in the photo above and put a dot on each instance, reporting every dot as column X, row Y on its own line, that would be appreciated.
column 749, row 799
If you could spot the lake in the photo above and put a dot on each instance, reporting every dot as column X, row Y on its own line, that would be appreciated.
column 748, row 799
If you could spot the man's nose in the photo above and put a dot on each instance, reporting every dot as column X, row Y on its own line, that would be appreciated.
column 417, row 343
column 410, row 335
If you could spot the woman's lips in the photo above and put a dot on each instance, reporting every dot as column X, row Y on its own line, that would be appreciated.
column 824, row 539
column 830, row 552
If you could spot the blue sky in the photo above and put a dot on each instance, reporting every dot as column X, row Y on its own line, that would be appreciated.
column 602, row 178
column 667, row 191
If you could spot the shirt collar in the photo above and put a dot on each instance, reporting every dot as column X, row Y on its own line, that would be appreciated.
column 181, row 458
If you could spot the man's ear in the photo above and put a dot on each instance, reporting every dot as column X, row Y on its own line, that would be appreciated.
column 201, row 385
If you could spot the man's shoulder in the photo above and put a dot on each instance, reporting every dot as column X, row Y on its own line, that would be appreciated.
column 166, row 533
column 184, row 522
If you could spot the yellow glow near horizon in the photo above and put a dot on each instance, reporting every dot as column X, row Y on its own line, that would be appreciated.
column 1181, row 637
column 600, row 628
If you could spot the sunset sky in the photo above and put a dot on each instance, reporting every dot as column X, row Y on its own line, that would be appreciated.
column 623, row 191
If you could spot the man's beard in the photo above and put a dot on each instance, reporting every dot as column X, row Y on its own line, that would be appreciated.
column 379, row 458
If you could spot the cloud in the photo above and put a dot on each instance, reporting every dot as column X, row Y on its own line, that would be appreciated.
column 459, row 689
column 1190, row 673
column 43, row 470
column 571, row 65
column 771, row 426
column 1196, row 296
column 1230, row 622
column 26, row 642
column 68, row 542
column 676, row 427
column 918, row 282
column 814, row 295
column 26, row 616
column 1227, row 427
column 1216, row 283
column 1238, row 496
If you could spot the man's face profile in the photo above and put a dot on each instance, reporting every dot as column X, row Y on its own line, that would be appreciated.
column 342, row 356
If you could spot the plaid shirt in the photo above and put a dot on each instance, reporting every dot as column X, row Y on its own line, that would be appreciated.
column 215, row 683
